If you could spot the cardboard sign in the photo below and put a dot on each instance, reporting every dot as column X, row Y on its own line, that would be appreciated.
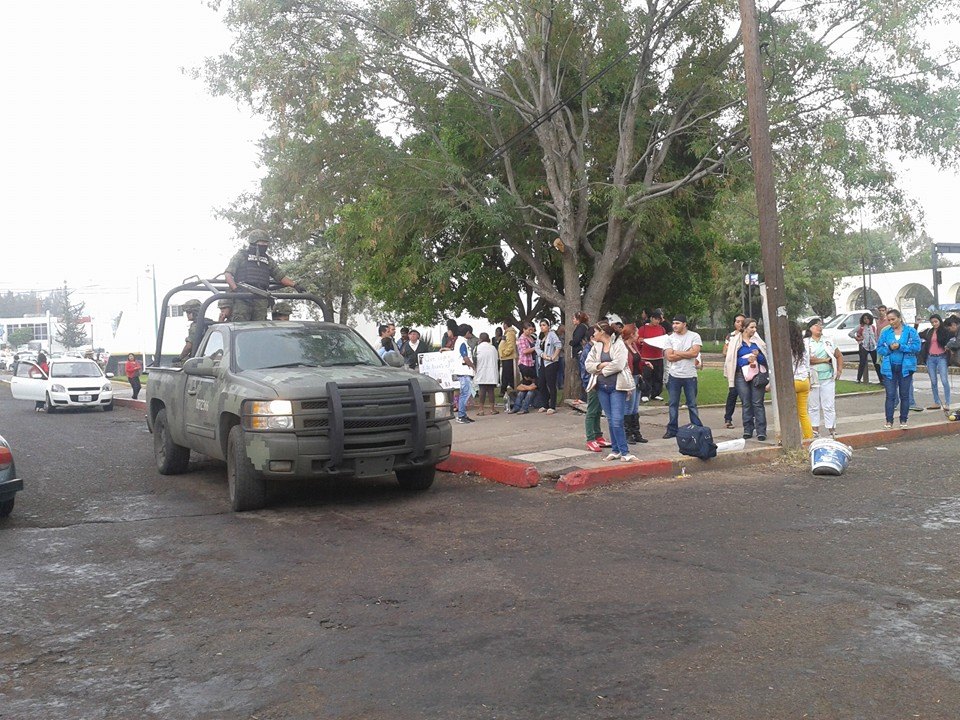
column 439, row 366
column 908, row 307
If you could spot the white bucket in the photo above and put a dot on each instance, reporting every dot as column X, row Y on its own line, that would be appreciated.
column 829, row 457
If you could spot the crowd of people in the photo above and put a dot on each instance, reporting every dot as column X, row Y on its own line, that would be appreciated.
column 622, row 365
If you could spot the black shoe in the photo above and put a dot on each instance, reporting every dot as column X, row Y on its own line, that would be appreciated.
column 669, row 435
column 761, row 438
column 640, row 439
column 747, row 436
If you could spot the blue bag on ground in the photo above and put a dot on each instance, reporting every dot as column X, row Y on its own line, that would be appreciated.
column 696, row 441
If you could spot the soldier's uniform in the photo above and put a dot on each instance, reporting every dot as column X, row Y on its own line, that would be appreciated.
column 226, row 310
column 254, row 267
column 194, row 330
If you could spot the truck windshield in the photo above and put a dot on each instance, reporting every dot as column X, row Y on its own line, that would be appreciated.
column 301, row 346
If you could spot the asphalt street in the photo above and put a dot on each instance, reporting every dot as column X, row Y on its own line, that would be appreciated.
column 765, row 593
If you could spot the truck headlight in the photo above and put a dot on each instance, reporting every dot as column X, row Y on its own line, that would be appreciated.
column 57, row 388
column 268, row 415
column 441, row 404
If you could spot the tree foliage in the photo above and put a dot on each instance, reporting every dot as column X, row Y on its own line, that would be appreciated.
column 70, row 331
column 474, row 155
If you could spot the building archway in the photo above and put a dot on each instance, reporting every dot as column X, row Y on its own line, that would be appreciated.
column 855, row 301
column 921, row 295
column 953, row 294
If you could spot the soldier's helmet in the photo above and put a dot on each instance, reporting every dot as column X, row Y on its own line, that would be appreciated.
column 224, row 303
column 192, row 306
column 258, row 236
column 282, row 308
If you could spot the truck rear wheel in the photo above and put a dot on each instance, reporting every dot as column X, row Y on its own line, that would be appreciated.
column 416, row 478
column 248, row 490
column 172, row 459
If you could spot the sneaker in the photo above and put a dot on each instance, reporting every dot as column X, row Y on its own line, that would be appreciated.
column 543, row 410
column 887, row 426
column 462, row 421
column 669, row 435
column 903, row 424
column 594, row 446
column 747, row 436
column 644, row 399
column 603, row 442
column 761, row 438
column 628, row 458
column 551, row 411
column 658, row 397
column 916, row 408
column 613, row 456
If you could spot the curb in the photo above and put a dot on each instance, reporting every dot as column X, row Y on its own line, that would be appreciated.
column 585, row 479
column 130, row 402
column 506, row 472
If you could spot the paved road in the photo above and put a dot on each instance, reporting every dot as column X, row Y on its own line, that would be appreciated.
column 771, row 594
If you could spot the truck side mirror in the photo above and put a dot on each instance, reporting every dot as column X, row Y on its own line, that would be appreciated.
column 200, row 366
column 393, row 359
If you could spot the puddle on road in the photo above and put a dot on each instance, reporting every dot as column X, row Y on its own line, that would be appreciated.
column 943, row 515
column 927, row 629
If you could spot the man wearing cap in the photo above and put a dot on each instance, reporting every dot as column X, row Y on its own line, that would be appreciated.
column 254, row 267
column 281, row 311
column 682, row 352
column 194, row 332
column 226, row 311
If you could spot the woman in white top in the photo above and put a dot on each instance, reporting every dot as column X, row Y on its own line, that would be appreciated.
column 613, row 381
column 826, row 364
column 487, row 375
column 801, row 378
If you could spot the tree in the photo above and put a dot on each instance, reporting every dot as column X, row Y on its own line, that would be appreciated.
column 70, row 331
column 576, row 119
column 19, row 304
column 20, row 336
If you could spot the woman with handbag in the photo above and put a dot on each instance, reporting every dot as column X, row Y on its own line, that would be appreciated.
column 747, row 352
column 613, row 381
column 826, row 364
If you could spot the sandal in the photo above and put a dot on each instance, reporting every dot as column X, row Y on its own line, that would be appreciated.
column 494, row 412
column 481, row 413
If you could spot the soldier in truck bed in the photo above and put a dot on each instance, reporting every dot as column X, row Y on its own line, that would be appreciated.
column 196, row 330
column 254, row 267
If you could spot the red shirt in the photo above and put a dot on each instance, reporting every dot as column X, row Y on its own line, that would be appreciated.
column 649, row 352
column 132, row 368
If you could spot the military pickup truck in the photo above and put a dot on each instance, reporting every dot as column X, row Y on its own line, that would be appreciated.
column 292, row 400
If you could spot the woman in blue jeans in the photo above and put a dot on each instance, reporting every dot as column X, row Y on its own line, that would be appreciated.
column 610, row 376
column 899, row 346
column 750, row 351
column 934, row 355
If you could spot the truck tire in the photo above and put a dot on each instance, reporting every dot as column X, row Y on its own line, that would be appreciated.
column 248, row 490
column 48, row 407
column 6, row 507
column 416, row 479
column 172, row 459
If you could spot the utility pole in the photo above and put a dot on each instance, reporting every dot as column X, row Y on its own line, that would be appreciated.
column 761, row 152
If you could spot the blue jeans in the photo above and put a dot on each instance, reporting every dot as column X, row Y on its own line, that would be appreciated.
column 522, row 402
column 937, row 368
column 689, row 387
column 898, row 386
column 614, row 403
column 754, row 413
column 466, row 390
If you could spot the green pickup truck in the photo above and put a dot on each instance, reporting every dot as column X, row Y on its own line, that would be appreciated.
column 293, row 400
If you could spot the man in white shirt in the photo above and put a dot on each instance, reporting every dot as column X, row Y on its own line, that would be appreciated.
column 681, row 353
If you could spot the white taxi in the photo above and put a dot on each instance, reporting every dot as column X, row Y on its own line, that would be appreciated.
column 70, row 383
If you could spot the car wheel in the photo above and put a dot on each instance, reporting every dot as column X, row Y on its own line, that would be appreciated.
column 248, row 490
column 48, row 406
column 108, row 407
column 172, row 459
column 6, row 507
column 416, row 478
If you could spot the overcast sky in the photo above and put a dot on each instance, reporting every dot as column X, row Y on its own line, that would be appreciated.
column 108, row 144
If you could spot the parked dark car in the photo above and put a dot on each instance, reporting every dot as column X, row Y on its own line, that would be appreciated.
column 10, row 484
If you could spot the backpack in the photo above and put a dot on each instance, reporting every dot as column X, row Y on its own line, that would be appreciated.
column 696, row 441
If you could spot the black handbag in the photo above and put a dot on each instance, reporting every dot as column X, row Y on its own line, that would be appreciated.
column 761, row 380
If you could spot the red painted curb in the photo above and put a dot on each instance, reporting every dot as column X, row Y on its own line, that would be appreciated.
column 130, row 402
column 880, row 437
column 584, row 479
column 506, row 472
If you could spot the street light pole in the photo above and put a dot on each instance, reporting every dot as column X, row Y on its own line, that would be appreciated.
column 761, row 152
column 156, row 319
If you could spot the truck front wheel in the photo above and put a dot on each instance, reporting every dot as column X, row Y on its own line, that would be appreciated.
column 248, row 490
column 416, row 478
column 172, row 459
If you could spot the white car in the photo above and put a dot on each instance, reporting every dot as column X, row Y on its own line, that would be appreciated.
column 839, row 329
column 71, row 383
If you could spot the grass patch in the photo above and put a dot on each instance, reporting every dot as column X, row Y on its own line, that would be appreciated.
column 712, row 387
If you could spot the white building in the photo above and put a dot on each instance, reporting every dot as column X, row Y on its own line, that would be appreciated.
column 892, row 288
column 44, row 329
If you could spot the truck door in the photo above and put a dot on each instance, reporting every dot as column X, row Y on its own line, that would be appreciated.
column 30, row 382
column 200, row 402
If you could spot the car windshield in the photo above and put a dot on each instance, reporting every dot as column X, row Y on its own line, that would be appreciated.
column 301, row 346
column 835, row 322
column 79, row 369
